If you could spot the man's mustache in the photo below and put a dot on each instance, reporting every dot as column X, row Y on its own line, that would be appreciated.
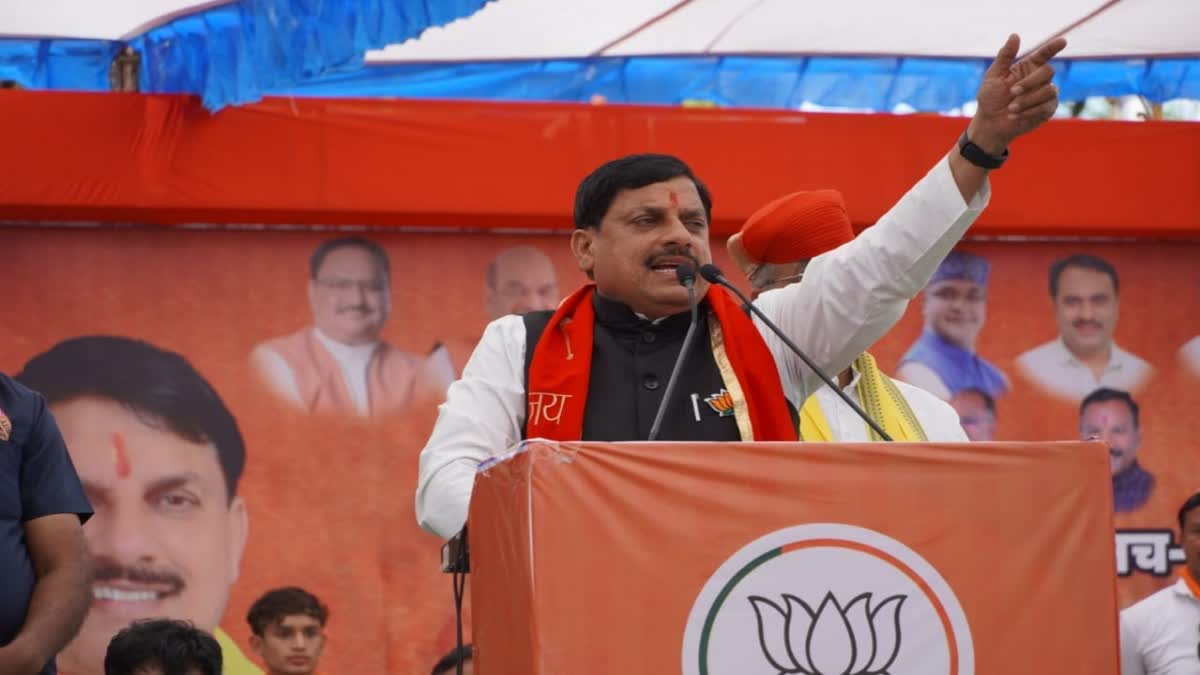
column 362, row 309
column 107, row 570
column 1082, row 323
column 673, row 253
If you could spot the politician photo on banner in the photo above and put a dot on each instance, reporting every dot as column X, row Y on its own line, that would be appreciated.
column 340, row 364
column 1085, row 295
column 160, row 456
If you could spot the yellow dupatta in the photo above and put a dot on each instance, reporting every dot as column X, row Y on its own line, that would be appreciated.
column 879, row 398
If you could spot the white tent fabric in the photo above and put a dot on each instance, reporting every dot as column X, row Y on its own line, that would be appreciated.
column 558, row 29
column 841, row 54
column 92, row 19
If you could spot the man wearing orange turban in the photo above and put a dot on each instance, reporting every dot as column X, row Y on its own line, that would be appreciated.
column 773, row 248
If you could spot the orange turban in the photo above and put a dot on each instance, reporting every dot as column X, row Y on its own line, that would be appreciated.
column 798, row 226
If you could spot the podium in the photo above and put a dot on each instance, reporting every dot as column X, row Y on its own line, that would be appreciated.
column 820, row 559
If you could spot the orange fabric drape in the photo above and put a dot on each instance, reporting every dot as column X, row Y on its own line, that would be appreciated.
column 164, row 159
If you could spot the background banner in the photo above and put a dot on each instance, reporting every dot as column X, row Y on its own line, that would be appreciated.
column 330, row 464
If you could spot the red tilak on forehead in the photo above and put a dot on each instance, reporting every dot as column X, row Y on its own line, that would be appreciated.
column 121, row 456
column 674, row 199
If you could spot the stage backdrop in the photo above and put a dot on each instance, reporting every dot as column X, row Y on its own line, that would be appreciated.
column 328, row 492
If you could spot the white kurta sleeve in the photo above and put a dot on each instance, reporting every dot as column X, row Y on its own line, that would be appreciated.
column 481, row 417
column 852, row 295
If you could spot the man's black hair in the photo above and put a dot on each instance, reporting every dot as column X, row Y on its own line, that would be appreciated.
column 159, row 386
column 174, row 647
column 597, row 192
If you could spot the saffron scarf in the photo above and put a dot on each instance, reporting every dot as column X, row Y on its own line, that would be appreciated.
column 879, row 397
column 1191, row 583
column 562, row 364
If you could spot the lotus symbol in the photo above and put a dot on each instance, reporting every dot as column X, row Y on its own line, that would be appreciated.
column 854, row 639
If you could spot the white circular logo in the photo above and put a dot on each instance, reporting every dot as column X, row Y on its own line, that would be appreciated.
column 827, row 599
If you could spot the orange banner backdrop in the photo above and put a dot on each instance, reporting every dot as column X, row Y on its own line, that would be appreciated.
column 329, row 497
column 740, row 559
column 164, row 159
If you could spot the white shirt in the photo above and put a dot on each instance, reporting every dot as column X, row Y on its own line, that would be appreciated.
column 937, row 418
column 352, row 360
column 848, row 299
column 1054, row 368
column 1161, row 634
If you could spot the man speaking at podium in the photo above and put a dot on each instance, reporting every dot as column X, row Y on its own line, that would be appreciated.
column 595, row 369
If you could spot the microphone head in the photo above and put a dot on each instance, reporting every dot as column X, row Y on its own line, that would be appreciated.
column 711, row 273
column 685, row 273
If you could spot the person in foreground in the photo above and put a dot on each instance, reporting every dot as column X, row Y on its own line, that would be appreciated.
column 288, row 626
column 45, row 570
column 773, row 249
column 1158, row 634
column 162, row 647
column 594, row 369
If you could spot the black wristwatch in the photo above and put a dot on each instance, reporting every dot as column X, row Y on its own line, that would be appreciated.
column 976, row 155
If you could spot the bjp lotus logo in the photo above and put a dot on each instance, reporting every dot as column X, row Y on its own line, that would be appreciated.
column 836, row 639
column 721, row 402
column 827, row 599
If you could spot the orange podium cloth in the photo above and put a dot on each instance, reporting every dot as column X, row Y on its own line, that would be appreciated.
column 743, row 558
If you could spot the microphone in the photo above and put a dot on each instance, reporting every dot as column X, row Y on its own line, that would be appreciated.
column 686, row 274
column 713, row 275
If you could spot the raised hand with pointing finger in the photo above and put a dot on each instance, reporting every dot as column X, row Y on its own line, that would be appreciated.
column 1015, row 97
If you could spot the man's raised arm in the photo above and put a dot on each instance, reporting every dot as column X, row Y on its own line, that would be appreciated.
column 852, row 295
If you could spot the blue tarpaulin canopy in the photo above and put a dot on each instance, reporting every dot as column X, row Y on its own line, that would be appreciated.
column 856, row 54
column 227, row 51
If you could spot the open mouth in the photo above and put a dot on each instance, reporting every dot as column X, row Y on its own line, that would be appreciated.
column 667, row 264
